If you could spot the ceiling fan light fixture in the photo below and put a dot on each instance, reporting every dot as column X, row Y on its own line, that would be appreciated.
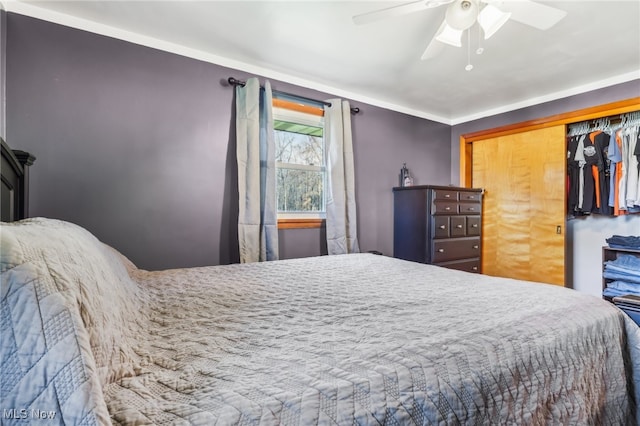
column 450, row 36
column 491, row 19
column 462, row 14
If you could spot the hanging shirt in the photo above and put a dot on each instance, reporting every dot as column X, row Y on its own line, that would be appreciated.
column 580, row 159
column 632, row 168
column 636, row 152
column 591, row 187
column 573, row 175
column 615, row 156
column 623, row 167
column 618, row 210
column 601, row 174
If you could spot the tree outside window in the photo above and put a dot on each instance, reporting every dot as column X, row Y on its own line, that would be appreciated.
column 300, row 165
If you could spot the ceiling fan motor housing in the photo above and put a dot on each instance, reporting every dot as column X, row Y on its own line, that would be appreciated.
column 462, row 14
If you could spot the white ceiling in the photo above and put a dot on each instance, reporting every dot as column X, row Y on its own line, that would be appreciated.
column 316, row 44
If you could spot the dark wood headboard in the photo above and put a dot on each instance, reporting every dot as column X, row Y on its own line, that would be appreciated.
column 14, row 174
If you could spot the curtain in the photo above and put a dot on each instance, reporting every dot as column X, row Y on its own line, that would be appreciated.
column 257, row 215
column 341, row 220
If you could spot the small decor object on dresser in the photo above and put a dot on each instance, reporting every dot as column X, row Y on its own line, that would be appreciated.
column 405, row 176
column 439, row 225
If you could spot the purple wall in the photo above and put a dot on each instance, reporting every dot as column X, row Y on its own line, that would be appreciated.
column 136, row 145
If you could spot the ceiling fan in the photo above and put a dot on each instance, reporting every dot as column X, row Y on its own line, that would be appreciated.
column 463, row 14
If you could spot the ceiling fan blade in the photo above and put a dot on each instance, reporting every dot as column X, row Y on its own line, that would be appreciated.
column 532, row 13
column 435, row 47
column 403, row 9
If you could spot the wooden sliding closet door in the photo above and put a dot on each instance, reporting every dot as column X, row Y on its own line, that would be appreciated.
column 523, row 174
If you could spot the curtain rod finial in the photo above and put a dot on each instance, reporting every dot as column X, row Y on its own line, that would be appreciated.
column 235, row 82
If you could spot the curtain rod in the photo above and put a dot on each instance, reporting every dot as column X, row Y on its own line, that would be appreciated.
column 235, row 82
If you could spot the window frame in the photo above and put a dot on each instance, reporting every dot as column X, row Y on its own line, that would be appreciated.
column 285, row 110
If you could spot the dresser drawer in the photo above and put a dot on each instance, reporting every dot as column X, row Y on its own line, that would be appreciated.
column 445, row 194
column 445, row 207
column 470, row 208
column 467, row 265
column 454, row 249
column 473, row 226
column 469, row 196
column 458, row 226
column 440, row 226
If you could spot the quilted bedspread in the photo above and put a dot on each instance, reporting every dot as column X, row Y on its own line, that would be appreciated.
column 87, row 338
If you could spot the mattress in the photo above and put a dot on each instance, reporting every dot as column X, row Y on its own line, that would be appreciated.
column 350, row 339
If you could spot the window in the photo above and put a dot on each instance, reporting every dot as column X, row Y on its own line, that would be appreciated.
column 300, row 163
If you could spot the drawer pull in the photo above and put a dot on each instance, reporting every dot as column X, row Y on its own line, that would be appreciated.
column 475, row 225
column 475, row 268
column 441, row 250
column 447, row 208
column 471, row 209
column 459, row 226
column 442, row 227
column 447, row 195
column 475, row 247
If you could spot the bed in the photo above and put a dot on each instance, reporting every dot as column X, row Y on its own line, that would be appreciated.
column 359, row 339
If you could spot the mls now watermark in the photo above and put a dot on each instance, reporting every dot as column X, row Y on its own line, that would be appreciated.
column 23, row 413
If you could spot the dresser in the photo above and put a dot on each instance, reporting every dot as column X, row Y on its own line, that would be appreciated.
column 441, row 225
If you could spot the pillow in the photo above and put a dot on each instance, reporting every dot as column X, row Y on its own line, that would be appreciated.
column 93, row 281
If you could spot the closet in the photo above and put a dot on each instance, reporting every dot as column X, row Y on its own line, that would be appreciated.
column 602, row 166
column 522, row 168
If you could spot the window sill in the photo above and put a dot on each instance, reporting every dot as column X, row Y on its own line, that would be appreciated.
column 300, row 223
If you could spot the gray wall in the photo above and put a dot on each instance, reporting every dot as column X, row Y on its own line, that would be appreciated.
column 136, row 145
